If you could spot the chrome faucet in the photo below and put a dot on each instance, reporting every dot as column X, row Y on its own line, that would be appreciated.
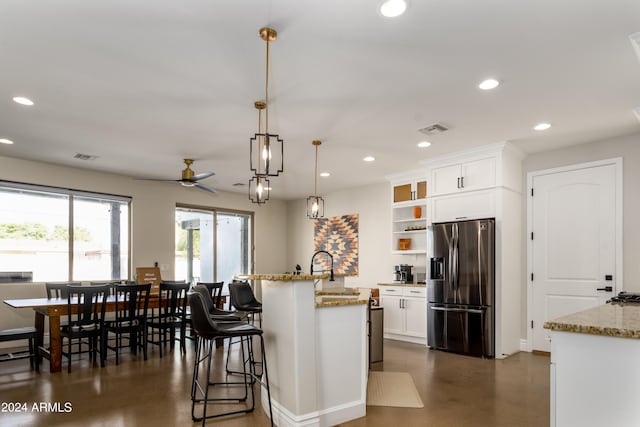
column 331, row 278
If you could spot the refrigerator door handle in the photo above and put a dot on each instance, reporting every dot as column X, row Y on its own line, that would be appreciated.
column 455, row 257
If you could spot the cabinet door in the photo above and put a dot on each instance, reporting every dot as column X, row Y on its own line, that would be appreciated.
column 478, row 174
column 421, row 190
column 415, row 310
column 445, row 180
column 402, row 192
column 462, row 206
column 393, row 314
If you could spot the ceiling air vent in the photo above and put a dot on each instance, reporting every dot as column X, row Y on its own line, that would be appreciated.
column 82, row 156
column 433, row 129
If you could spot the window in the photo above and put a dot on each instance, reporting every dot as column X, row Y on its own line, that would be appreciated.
column 52, row 234
column 212, row 245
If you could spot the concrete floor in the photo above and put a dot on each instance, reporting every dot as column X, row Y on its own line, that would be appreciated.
column 456, row 391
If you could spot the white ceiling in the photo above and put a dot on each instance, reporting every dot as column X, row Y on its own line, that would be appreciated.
column 142, row 84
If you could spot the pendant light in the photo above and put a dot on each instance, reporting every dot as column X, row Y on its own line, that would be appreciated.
column 315, row 203
column 259, row 186
column 266, row 150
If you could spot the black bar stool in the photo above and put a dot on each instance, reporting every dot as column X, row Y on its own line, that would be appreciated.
column 207, row 330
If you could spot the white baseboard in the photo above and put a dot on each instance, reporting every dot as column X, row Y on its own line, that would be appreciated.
column 525, row 345
column 282, row 417
column 406, row 338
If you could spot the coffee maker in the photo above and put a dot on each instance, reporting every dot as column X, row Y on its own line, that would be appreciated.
column 402, row 273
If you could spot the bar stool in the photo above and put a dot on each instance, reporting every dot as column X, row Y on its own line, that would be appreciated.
column 207, row 330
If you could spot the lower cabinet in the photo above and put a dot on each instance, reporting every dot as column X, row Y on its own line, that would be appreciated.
column 405, row 313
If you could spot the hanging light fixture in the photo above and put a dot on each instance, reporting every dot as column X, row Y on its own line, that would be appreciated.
column 259, row 185
column 266, row 150
column 315, row 203
column 259, row 189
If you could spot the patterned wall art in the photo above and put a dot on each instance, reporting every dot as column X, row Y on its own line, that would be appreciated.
column 338, row 235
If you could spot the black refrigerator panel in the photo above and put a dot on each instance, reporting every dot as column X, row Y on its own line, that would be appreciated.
column 461, row 270
column 460, row 329
column 439, row 284
column 474, row 260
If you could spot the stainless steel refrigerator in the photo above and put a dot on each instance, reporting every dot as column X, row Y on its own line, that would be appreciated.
column 461, row 287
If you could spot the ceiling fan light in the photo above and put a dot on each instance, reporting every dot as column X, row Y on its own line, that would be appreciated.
column 187, row 183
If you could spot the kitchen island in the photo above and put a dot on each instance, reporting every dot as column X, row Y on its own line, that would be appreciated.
column 316, row 349
column 595, row 369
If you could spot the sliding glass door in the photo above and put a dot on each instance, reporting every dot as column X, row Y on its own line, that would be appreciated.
column 212, row 245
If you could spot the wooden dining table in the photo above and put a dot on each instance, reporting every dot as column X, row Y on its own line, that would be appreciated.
column 54, row 308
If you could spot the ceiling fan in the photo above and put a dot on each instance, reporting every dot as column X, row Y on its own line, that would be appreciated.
column 190, row 179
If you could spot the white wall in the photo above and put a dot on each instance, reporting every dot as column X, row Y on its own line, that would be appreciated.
column 153, row 208
column 627, row 147
column 372, row 203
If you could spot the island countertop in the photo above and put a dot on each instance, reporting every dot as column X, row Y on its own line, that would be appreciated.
column 406, row 285
column 613, row 320
column 286, row 277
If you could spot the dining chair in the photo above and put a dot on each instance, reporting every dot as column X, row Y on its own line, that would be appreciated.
column 132, row 303
column 28, row 333
column 207, row 330
column 86, row 306
column 58, row 289
column 171, row 315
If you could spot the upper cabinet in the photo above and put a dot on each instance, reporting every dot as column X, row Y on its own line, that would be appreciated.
column 465, row 176
column 409, row 212
column 409, row 190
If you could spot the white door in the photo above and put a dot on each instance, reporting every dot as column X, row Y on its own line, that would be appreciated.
column 574, row 244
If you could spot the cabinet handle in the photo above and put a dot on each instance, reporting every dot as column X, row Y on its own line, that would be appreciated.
column 458, row 182
column 462, row 182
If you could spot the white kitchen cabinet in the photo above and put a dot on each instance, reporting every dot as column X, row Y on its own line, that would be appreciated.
column 466, row 176
column 408, row 190
column 409, row 213
column 405, row 316
column 464, row 206
column 486, row 182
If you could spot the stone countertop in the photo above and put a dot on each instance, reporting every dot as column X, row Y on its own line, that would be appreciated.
column 406, row 285
column 612, row 320
column 335, row 301
column 286, row 277
column 342, row 297
column 338, row 291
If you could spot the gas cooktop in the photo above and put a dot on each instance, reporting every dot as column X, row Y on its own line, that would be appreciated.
column 626, row 297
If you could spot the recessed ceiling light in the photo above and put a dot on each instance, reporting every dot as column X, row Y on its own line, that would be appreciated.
column 22, row 100
column 542, row 126
column 489, row 84
column 424, row 144
column 6, row 141
column 369, row 159
column 325, row 174
column 393, row 8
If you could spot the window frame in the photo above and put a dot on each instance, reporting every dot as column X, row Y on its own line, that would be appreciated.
column 215, row 210
column 72, row 193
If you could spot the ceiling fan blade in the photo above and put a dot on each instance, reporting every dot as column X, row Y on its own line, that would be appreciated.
column 202, row 176
column 160, row 180
column 205, row 187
